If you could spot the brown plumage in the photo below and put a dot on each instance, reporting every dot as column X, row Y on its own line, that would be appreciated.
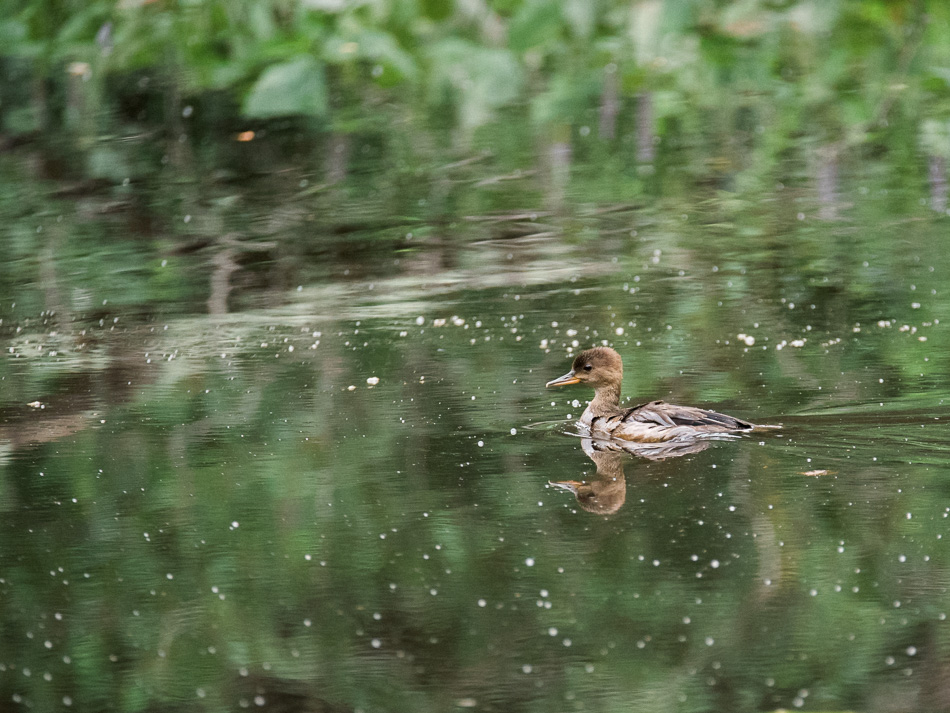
column 602, row 369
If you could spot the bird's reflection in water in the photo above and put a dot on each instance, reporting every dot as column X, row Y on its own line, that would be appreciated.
column 607, row 492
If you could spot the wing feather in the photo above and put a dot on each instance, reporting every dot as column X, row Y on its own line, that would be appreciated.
column 667, row 415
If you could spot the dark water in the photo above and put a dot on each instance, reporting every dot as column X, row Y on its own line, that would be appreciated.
column 338, row 494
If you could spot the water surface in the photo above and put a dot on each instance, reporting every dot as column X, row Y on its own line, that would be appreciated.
column 340, row 496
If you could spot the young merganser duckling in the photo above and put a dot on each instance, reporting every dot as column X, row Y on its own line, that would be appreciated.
column 655, row 422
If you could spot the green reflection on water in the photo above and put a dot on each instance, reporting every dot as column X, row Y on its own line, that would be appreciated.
column 207, row 513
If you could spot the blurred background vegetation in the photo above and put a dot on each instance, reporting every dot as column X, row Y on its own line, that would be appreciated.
column 597, row 96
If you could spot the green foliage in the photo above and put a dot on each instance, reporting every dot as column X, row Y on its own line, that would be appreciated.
column 293, row 88
column 839, row 68
column 935, row 137
column 536, row 23
column 479, row 80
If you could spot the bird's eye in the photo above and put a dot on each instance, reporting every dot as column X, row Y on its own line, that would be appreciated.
column 588, row 367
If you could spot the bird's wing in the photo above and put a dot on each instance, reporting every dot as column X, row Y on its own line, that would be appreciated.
column 661, row 413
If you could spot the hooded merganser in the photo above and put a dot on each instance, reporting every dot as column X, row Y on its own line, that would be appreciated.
column 602, row 369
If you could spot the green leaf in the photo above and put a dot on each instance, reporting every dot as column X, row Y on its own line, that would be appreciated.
column 581, row 17
column 482, row 78
column 293, row 88
column 13, row 33
column 536, row 23
column 382, row 47
column 437, row 10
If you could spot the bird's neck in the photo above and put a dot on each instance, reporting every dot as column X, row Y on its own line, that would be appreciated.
column 606, row 400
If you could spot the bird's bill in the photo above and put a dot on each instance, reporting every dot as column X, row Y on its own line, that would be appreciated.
column 569, row 485
column 568, row 378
